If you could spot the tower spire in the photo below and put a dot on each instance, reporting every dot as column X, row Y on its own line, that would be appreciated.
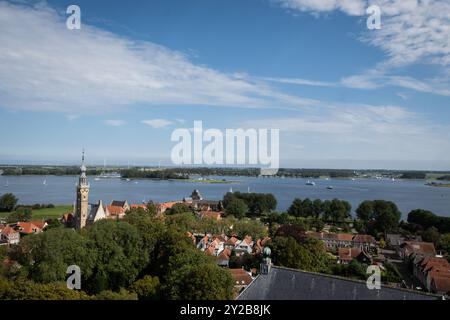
column 82, row 206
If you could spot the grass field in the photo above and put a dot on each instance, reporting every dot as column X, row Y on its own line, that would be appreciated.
column 49, row 213
column 42, row 214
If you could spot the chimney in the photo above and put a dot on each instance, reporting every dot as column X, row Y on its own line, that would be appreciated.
column 265, row 266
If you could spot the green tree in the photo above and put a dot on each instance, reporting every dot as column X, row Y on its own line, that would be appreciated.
column 23, row 289
column 318, row 224
column 146, row 288
column 8, row 202
column 177, row 209
column 196, row 279
column 432, row 235
column 111, row 295
column 120, row 255
column 21, row 214
column 45, row 257
column 296, row 208
column 151, row 208
column 253, row 228
column 236, row 207
column 309, row 255
column 339, row 210
column 379, row 216
column 365, row 211
column 317, row 208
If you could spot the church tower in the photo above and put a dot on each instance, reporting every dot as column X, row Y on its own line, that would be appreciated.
column 82, row 206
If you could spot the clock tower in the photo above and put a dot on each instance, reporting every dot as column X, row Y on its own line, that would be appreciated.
column 82, row 206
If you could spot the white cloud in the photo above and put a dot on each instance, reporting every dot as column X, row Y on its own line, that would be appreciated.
column 376, row 132
column 115, row 123
column 298, row 81
column 45, row 66
column 351, row 7
column 412, row 32
column 157, row 123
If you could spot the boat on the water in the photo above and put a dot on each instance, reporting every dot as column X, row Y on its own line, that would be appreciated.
column 310, row 183
column 330, row 187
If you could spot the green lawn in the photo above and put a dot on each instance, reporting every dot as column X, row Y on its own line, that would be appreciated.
column 55, row 212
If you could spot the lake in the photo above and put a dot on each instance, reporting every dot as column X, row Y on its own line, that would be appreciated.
column 407, row 194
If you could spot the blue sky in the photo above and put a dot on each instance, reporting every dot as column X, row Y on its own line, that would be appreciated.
column 342, row 96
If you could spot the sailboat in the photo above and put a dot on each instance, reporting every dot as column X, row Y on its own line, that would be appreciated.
column 45, row 182
column 231, row 190
column 7, row 184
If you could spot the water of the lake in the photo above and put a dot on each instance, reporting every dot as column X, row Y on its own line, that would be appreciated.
column 407, row 194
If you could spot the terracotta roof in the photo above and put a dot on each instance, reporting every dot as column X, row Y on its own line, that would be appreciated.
column 344, row 236
column 29, row 227
column 136, row 206
column 220, row 237
column 210, row 250
column 115, row 210
column 210, row 214
column 364, row 238
column 241, row 277
column 232, row 241
column 225, row 254
column 7, row 231
column 40, row 224
column 430, row 263
column 169, row 204
column 348, row 254
column 426, row 248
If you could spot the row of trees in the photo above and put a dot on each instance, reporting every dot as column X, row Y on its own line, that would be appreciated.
column 427, row 219
column 334, row 210
column 378, row 216
column 241, row 204
column 140, row 256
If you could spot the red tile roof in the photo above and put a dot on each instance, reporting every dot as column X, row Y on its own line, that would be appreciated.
column 7, row 231
column 115, row 210
column 30, row 227
column 210, row 214
column 241, row 277
column 136, row 206
column 430, row 263
column 232, row 241
column 364, row 238
column 426, row 248
column 348, row 254
column 225, row 254
column 344, row 237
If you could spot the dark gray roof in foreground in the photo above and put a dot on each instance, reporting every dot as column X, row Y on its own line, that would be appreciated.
column 288, row 284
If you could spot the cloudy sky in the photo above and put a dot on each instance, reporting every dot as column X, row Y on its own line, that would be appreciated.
column 343, row 96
